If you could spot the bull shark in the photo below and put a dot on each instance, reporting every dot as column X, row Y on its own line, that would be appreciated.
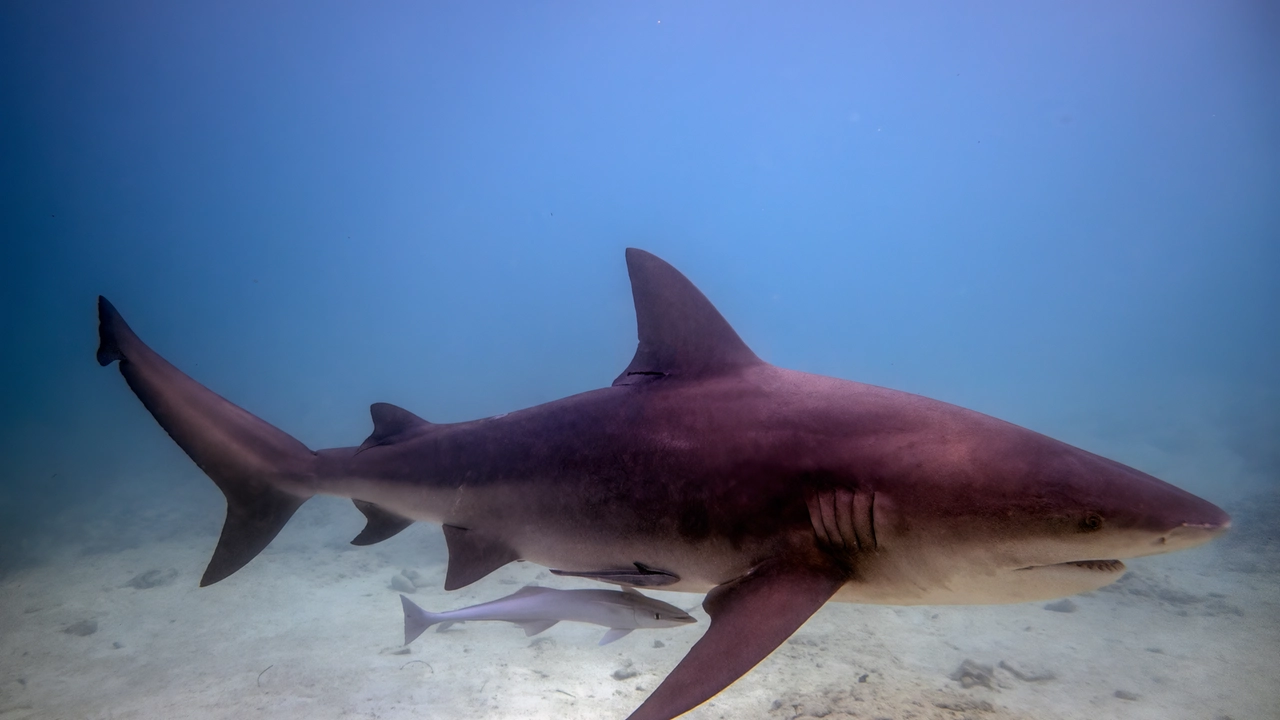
column 537, row 608
column 703, row 469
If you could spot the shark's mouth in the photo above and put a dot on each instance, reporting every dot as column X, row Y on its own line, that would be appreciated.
column 1105, row 566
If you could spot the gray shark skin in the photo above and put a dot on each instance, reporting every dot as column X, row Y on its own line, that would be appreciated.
column 702, row 469
column 537, row 608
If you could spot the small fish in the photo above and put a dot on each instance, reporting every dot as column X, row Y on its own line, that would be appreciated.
column 537, row 608
column 642, row 576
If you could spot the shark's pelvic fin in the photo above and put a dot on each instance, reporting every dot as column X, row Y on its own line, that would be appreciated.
column 681, row 333
column 262, row 471
column 473, row 555
column 379, row 525
column 750, row 617
column 392, row 424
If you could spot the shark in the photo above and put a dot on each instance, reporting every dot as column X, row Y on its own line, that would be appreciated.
column 537, row 608
column 702, row 468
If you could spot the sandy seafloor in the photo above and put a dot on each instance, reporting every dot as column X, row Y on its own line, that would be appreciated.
column 311, row 629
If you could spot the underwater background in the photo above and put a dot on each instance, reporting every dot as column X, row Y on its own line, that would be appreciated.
column 1066, row 215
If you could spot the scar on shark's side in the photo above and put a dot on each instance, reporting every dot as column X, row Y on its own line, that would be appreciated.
column 702, row 468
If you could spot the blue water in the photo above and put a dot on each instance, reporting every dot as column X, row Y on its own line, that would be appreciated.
column 1062, row 214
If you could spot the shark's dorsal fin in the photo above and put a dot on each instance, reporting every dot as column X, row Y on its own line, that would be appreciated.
column 682, row 335
column 391, row 423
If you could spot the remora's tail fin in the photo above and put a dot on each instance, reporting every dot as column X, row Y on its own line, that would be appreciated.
column 416, row 620
column 262, row 471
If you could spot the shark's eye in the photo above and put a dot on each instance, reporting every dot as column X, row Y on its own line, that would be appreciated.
column 1091, row 522
column 657, row 616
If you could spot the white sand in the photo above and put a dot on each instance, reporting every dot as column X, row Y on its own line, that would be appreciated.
column 310, row 630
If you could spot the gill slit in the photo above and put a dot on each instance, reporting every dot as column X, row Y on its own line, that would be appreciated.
column 871, row 521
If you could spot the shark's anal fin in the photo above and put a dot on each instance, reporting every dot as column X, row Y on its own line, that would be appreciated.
column 379, row 524
column 681, row 333
column 750, row 617
column 642, row 576
column 472, row 555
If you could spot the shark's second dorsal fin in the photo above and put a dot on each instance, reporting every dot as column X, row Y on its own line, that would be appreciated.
column 681, row 333
column 390, row 424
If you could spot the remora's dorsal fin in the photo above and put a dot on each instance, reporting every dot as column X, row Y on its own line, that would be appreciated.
column 391, row 423
column 528, row 590
column 681, row 332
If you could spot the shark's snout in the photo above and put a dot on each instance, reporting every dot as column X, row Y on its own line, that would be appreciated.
column 1191, row 534
column 1207, row 517
column 1158, row 517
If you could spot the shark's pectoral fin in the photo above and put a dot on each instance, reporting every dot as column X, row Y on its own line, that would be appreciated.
column 750, row 616
column 380, row 524
column 472, row 555
column 534, row 627
column 615, row 634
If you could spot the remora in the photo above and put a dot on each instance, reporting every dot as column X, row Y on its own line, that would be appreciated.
column 537, row 608
column 703, row 469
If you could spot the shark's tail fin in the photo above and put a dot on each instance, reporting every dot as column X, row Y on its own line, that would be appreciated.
column 263, row 472
column 417, row 620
